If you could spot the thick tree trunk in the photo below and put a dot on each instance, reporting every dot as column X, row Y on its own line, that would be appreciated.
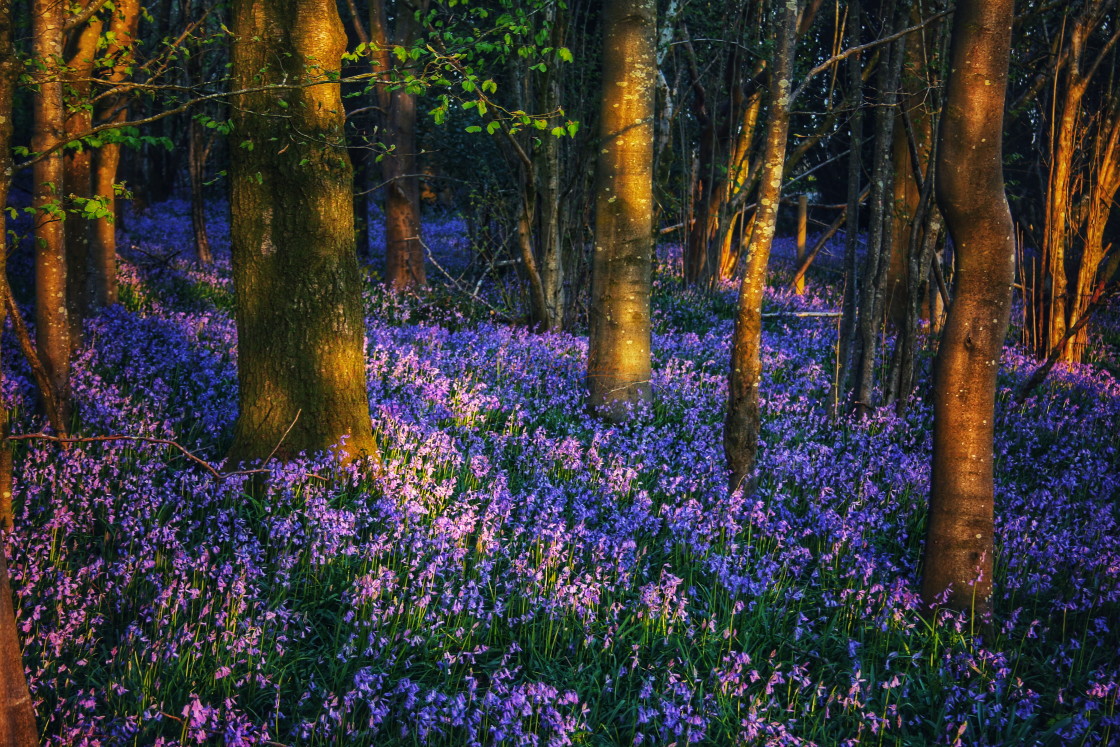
column 78, row 179
column 743, row 423
column 51, row 319
column 970, row 193
column 618, row 357
column 17, row 716
column 301, row 336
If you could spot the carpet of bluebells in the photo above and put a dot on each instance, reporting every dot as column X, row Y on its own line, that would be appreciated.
column 521, row 574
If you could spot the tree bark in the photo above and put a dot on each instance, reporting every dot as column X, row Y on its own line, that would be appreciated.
column 17, row 715
column 301, row 334
column 51, row 319
column 78, row 178
column 970, row 193
column 743, row 423
column 880, row 218
column 618, row 357
column 404, row 253
column 197, row 152
column 103, row 255
column 847, row 342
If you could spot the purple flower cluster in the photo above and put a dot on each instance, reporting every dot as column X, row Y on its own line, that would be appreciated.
column 520, row 573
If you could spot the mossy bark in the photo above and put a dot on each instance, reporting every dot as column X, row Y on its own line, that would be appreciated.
column 301, row 334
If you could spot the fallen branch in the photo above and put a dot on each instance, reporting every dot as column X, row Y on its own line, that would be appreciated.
column 459, row 286
column 214, row 471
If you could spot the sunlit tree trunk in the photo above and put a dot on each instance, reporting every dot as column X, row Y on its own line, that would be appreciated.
column 51, row 319
column 17, row 716
column 970, row 193
column 618, row 358
column 1101, row 198
column 301, row 336
column 103, row 256
column 743, row 423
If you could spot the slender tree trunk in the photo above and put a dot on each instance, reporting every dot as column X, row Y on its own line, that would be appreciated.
column 17, row 716
column 618, row 358
column 197, row 151
column 914, row 109
column 1105, row 182
column 404, row 259
column 51, row 318
column 848, row 340
column 78, row 179
column 103, row 254
column 880, row 218
column 301, row 337
column 743, row 423
column 970, row 193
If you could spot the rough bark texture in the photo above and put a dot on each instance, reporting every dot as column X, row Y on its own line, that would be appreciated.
column 51, row 320
column 970, row 193
column 404, row 254
column 741, row 428
column 301, row 337
column 618, row 358
column 17, row 716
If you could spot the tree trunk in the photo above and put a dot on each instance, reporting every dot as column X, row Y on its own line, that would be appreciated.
column 970, row 193
column 743, row 423
column 78, row 178
column 404, row 253
column 618, row 357
column 197, row 150
column 301, row 335
column 917, row 138
column 847, row 342
column 51, row 318
column 103, row 254
column 17, row 716
column 880, row 218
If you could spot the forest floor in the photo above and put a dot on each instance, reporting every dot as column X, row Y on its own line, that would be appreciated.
column 520, row 573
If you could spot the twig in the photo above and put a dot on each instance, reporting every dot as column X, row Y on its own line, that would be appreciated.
column 458, row 285
column 214, row 471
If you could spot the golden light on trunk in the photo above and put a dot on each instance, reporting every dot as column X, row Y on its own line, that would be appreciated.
column 618, row 358
column 970, row 193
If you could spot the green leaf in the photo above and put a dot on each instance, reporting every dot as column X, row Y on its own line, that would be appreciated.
column 474, row 128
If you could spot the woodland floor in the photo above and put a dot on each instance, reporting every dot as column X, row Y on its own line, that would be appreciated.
column 523, row 574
